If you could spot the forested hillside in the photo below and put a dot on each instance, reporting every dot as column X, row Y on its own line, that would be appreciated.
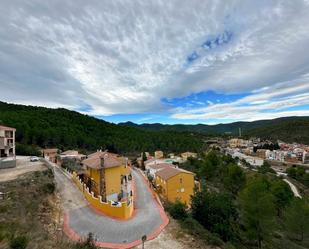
column 66, row 129
column 289, row 129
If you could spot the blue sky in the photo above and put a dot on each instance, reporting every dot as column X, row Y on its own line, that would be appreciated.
column 158, row 61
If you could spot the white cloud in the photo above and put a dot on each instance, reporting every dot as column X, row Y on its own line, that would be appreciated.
column 125, row 56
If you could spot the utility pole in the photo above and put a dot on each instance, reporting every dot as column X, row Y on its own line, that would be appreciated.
column 239, row 129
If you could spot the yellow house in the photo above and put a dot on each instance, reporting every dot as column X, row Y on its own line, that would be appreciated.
column 175, row 184
column 108, row 175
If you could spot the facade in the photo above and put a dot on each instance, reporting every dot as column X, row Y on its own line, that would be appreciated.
column 305, row 158
column 108, row 175
column 188, row 154
column 7, row 141
column 175, row 184
column 50, row 154
column 158, row 154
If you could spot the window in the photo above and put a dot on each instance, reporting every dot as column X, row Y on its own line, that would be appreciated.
column 180, row 180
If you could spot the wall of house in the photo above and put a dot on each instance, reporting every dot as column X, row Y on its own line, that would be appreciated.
column 179, row 187
column 124, row 210
column 95, row 174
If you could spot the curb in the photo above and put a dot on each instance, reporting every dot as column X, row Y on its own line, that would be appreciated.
column 165, row 220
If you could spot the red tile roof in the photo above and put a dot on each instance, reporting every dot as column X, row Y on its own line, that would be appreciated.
column 169, row 172
column 160, row 166
column 110, row 160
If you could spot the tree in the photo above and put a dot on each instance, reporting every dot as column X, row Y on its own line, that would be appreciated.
column 144, row 158
column 297, row 217
column 234, row 178
column 178, row 210
column 265, row 168
column 282, row 193
column 257, row 209
column 216, row 212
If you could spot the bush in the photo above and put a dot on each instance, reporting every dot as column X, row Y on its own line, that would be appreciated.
column 196, row 229
column 89, row 243
column 177, row 210
column 19, row 242
column 27, row 150
column 49, row 188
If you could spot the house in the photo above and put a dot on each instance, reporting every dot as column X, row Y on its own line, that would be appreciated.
column 108, row 175
column 7, row 141
column 158, row 154
column 154, row 168
column 50, row 154
column 175, row 184
column 72, row 154
column 188, row 154
column 261, row 153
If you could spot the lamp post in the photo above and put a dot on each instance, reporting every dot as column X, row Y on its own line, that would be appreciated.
column 144, row 238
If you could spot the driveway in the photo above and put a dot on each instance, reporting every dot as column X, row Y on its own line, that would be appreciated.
column 149, row 218
column 23, row 166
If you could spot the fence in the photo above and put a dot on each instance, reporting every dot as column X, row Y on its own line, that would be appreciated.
column 6, row 163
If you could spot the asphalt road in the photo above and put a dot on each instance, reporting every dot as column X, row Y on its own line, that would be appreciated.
column 83, row 219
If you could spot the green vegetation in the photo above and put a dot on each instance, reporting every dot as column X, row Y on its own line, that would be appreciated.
column 243, row 209
column 66, row 129
column 19, row 242
column 299, row 174
column 289, row 129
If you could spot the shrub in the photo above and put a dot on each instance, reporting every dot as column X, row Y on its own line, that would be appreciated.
column 177, row 210
column 19, row 242
column 27, row 150
column 49, row 188
column 89, row 243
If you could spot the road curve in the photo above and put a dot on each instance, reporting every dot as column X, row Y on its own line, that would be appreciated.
column 149, row 218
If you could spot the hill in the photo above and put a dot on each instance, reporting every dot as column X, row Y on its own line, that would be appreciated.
column 289, row 129
column 66, row 129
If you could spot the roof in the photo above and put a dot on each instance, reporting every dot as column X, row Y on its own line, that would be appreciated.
column 159, row 166
column 149, row 160
column 70, row 152
column 50, row 150
column 169, row 172
column 2, row 127
column 110, row 161
column 101, row 153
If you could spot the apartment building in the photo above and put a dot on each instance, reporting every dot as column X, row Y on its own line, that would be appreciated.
column 7, row 141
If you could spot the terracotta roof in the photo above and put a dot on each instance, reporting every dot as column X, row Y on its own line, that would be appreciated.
column 149, row 160
column 169, row 172
column 101, row 153
column 160, row 166
column 110, row 161
column 70, row 152
column 50, row 150
column 2, row 127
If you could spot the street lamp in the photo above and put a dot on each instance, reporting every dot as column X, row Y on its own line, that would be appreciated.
column 144, row 238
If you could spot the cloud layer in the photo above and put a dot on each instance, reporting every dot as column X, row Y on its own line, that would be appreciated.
column 125, row 57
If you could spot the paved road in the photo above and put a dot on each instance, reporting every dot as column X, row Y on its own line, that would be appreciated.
column 83, row 219
column 293, row 188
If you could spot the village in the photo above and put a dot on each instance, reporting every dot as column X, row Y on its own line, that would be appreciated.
column 110, row 189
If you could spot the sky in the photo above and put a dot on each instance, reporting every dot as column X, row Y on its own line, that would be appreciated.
column 158, row 61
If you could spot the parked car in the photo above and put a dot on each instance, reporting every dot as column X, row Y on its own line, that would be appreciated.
column 34, row 159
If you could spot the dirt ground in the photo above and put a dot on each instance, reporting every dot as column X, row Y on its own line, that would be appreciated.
column 173, row 237
column 23, row 166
